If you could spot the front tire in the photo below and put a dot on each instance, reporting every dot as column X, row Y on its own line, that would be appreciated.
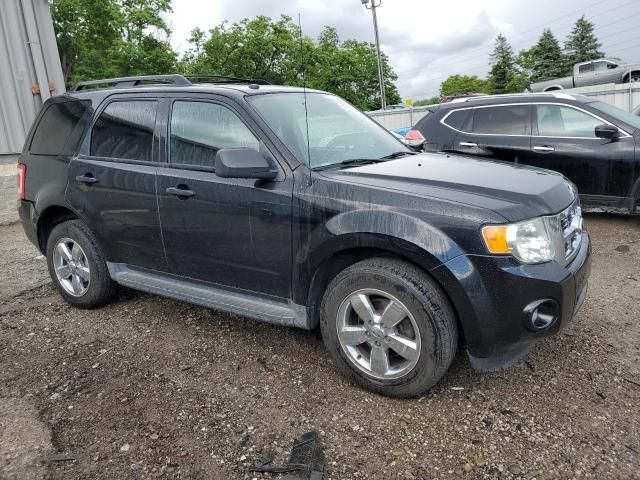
column 389, row 327
column 77, row 266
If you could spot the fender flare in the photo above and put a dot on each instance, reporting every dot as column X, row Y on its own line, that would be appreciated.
column 385, row 231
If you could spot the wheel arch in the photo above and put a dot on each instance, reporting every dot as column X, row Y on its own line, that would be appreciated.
column 626, row 78
column 353, row 248
column 48, row 219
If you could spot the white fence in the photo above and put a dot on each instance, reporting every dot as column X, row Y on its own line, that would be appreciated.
column 625, row 96
column 392, row 119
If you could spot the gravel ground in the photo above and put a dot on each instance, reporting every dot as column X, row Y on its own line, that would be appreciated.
column 148, row 387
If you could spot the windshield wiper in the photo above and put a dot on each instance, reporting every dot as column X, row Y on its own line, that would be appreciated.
column 351, row 162
column 393, row 155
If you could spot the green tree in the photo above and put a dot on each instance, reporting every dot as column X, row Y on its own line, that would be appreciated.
column 427, row 101
column 350, row 69
column 581, row 44
column 547, row 59
column 504, row 76
column 108, row 38
column 274, row 50
column 459, row 84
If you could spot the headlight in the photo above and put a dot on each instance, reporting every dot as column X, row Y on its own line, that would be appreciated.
column 528, row 241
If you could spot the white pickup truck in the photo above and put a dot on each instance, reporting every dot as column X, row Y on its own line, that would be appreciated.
column 593, row 72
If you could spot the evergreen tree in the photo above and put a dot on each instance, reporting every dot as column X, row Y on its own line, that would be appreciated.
column 547, row 60
column 502, row 66
column 581, row 45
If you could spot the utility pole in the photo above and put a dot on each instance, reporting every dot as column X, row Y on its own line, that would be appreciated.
column 372, row 6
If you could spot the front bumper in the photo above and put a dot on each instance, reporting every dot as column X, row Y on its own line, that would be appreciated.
column 491, row 293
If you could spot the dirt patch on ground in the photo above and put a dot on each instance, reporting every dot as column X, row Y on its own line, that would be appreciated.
column 25, row 442
column 149, row 387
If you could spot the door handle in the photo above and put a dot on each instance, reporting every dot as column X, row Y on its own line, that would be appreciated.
column 181, row 191
column 87, row 178
column 468, row 144
column 539, row 148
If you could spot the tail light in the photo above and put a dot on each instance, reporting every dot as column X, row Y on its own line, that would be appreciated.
column 22, row 180
column 414, row 138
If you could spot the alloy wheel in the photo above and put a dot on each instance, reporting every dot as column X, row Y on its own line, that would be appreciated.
column 71, row 266
column 378, row 334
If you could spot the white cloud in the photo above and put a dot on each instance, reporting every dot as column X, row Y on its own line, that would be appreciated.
column 427, row 41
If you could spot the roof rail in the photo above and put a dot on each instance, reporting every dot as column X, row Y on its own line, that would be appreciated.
column 224, row 79
column 123, row 82
column 507, row 95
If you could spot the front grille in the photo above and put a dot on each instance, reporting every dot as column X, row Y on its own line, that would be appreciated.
column 569, row 230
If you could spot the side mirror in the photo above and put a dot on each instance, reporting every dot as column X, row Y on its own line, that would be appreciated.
column 611, row 66
column 607, row 131
column 244, row 163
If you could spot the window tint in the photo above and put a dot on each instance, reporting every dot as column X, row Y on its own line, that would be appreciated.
column 125, row 130
column 199, row 130
column 559, row 121
column 600, row 66
column 588, row 67
column 457, row 118
column 507, row 120
column 56, row 126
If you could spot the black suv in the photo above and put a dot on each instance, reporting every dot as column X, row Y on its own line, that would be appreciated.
column 595, row 145
column 292, row 207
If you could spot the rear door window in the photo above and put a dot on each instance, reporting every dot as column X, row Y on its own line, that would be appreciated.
column 503, row 120
column 586, row 68
column 58, row 123
column 124, row 131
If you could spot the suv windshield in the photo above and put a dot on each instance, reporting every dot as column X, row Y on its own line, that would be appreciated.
column 618, row 114
column 337, row 132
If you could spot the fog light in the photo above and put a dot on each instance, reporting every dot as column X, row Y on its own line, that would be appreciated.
column 541, row 314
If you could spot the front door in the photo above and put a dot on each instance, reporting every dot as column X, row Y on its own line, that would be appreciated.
column 231, row 232
column 564, row 140
column 112, row 184
column 497, row 132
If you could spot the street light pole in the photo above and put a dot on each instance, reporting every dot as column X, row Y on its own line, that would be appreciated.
column 375, row 4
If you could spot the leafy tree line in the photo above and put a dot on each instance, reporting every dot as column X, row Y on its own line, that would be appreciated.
column 114, row 38
column 545, row 60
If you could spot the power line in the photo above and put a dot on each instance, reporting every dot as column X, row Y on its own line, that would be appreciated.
column 468, row 53
column 475, row 67
column 546, row 24
column 634, row 44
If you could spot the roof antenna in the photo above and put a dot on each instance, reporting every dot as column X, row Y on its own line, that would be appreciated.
column 304, row 90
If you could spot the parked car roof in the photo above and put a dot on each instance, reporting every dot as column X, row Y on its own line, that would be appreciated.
column 514, row 98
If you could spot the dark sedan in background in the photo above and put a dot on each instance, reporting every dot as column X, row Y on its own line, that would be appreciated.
column 595, row 145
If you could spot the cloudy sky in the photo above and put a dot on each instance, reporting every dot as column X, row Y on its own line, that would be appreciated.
column 429, row 40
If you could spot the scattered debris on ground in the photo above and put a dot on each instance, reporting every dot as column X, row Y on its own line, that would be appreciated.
column 152, row 388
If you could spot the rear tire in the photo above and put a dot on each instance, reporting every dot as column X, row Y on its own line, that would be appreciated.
column 407, row 319
column 77, row 265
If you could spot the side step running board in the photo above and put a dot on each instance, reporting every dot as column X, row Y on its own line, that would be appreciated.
column 281, row 313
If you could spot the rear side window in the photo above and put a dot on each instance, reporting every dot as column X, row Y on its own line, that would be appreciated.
column 588, row 67
column 124, row 130
column 56, row 126
column 199, row 130
column 504, row 120
column 457, row 118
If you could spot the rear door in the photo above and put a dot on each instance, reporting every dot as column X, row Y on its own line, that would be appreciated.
column 228, row 231
column 564, row 140
column 586, row 75
column 501, row 132
column 112, row 183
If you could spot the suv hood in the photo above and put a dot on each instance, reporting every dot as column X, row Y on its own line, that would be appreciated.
column 514, row 191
